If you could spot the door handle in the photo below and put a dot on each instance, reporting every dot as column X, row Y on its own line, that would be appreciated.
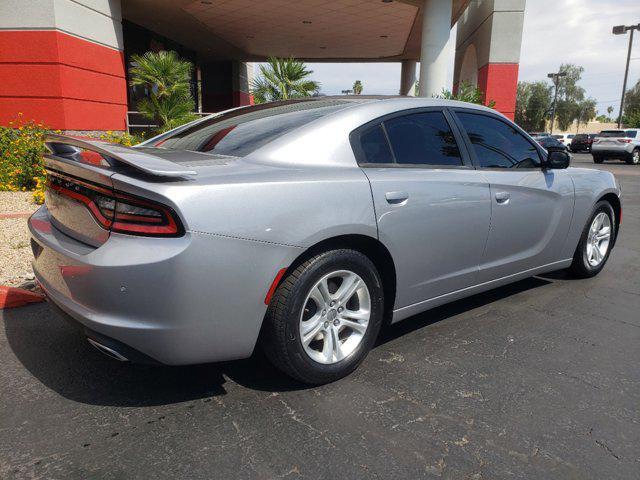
column 396, row 198
column 503, row 197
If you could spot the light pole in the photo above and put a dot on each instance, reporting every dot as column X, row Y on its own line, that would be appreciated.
column 556, row 80
column 621, row 30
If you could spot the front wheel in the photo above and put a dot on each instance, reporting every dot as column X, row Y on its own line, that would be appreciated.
column 324, row 317
column 634, row 158
column 595, row 244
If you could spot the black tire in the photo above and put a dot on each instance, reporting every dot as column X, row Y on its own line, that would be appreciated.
column 597, row 159
column 280, row 337
column 634, row 157
column 580, row 267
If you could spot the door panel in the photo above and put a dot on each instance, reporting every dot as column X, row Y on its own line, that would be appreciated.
column 435, row 224
column 531, row 207
column 530, row 228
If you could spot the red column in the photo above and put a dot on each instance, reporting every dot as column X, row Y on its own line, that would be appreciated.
column 62, row 81
column 499, row 82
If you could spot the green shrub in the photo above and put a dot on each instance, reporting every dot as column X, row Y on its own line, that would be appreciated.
column 21, row 148
column 126, row 139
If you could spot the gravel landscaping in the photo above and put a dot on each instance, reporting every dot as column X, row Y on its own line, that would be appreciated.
column 15, row 266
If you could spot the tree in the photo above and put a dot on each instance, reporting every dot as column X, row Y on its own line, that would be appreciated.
column 609, row 111
column 357, row 87
column 282, row 79
column 572, row 104
column 632, row 106
column 533, row 103
column 166, row 79
column 466, row 93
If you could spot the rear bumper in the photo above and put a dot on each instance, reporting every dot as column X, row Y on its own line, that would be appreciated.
column 612, row 151
column 177, row 301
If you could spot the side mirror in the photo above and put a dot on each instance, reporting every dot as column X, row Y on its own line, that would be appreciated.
column 557, row 159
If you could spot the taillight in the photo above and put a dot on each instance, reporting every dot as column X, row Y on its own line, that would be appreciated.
column 624, row 140
column 119, row 212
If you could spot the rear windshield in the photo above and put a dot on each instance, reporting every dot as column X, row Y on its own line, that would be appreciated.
column 611, row 133
column 580, row 136
column 240, row 132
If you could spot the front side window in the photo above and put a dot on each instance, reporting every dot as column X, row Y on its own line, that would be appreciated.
column 497, row 144
column 423, row 139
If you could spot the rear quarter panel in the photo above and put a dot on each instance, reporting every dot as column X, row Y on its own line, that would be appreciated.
column 590, row 186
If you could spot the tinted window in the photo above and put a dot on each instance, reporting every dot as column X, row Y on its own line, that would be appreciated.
column 630, row 134
column 240, row 132
column 374, row 146
column 611, row 133
column 423, row 138
column 497, row 144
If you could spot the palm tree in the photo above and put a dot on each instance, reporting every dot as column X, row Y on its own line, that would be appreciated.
column 166, row 78
column 357, row 87
column 282, row 79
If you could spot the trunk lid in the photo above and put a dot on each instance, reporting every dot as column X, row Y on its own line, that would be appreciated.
column 80, row 194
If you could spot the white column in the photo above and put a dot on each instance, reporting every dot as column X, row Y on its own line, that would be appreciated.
column 408, row 78
column 436, row 26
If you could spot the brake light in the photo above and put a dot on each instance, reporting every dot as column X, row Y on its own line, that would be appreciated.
column 624, row 140
column 119, row 212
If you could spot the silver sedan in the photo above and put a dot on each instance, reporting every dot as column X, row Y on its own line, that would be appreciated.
column 302, row 226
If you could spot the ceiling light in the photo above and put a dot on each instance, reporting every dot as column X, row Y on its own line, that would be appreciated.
column 307, row 22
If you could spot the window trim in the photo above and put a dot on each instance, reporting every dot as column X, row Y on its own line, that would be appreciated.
column 354, row 139
column 541, row 152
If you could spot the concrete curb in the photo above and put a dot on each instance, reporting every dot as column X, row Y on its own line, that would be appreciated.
column 15, row 215
column 11, row 297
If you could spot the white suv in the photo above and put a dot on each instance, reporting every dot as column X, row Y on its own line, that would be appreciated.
column 565, row 139
column 620, row 144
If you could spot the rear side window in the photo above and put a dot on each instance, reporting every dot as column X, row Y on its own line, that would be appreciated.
column 240, row 132
column 630, row 134
column 497, row 144
column 374, row 146
column 423, row 139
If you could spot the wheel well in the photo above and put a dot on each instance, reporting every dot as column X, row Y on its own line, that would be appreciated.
column 373, row 249
column 613, row 199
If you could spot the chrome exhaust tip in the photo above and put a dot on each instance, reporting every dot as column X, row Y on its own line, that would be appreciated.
column 109, row 352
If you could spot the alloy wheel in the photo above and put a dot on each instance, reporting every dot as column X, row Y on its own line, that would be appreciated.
column 335, row 317
column 598, row 239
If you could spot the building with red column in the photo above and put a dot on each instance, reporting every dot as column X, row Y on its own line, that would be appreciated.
column 65, row 62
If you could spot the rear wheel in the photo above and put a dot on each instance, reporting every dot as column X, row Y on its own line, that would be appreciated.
column 595, row 244
column 597, row 159
column 634, row 157
column 324, row 317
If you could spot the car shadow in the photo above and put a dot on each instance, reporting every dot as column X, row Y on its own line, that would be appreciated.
column 57, row 355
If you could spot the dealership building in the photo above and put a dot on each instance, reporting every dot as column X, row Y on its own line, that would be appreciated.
column 65, row 63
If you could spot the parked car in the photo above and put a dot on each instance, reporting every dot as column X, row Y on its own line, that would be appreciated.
column 539, row 134
column 550, row 143
column 565, row 139
column 303, row 225
column 582, row 142
column 617, row 144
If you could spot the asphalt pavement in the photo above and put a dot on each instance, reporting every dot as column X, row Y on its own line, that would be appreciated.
column 537, row 380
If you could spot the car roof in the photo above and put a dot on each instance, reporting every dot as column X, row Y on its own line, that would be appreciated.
column 325, row 141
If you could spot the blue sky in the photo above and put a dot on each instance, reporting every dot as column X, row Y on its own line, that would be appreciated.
column 555, row 32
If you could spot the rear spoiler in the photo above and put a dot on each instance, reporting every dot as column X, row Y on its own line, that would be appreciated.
column 144, row 162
